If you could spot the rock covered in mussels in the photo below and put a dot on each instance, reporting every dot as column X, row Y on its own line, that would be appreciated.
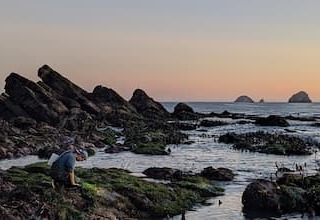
column 300, row 97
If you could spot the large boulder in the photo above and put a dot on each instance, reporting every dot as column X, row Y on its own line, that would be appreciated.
column 181, row 108
column 146, row 106
column 182, row 111
column 66, row 88
column 244, row 98
column 300, row 97
column 261, row 196
column 33, row 99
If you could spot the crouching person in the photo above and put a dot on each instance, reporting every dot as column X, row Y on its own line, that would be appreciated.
column 62, row 169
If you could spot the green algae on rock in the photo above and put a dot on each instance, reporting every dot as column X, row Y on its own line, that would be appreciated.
column 104, row 193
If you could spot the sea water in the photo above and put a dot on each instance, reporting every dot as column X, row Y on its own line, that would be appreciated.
column 206, row 151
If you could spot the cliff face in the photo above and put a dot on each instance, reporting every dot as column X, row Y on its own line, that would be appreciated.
column 300, row 97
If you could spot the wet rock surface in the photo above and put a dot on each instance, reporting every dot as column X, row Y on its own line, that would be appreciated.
column 220, row 174
column 103, row 193
column 292, row 193
column 263, row 142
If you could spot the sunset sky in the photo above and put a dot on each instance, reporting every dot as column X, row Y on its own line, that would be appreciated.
column 177, row 50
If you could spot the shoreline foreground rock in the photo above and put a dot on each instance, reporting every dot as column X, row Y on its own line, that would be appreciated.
column 104, row 194
column 292, row 193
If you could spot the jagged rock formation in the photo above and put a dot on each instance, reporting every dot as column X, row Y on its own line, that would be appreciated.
column 147, row 106
column 66, row 88
column 34, row 99
column 300, row 97
column 56, row 102
column 244, row 98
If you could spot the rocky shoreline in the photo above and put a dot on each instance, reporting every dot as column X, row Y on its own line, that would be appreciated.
column 104, row 193
column 52, row 115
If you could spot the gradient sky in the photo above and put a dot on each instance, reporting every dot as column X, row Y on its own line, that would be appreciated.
column 175, row 50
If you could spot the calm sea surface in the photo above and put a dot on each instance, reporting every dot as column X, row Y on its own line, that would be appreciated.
column 206, row 151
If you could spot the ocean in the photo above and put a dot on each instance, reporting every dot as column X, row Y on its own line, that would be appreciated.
column 206, row 151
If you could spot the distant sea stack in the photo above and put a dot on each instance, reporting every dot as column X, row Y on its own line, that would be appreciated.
column 244, row 98
column 300, row 97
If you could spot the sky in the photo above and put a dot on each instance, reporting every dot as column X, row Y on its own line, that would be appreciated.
column 177, row 50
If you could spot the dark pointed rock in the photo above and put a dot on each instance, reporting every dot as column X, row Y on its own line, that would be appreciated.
column 66, row 88
column 147, row 106
column 300, row 97
column 34, row 99
column 113, row 104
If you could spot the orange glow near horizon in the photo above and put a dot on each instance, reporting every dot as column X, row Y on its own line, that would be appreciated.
column 220, row 63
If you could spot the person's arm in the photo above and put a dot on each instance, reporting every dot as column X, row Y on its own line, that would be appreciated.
column 72, row 179
column 70, row 163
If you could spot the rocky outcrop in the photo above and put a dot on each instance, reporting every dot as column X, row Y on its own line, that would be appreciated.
column 300, row 97
column 244, row 98
column 182, row 111
column 262, row 142
column 272, row 120
column 181, row 108
column 66, row 88
column 147, row 106
column 113, row 104
column 33, row 99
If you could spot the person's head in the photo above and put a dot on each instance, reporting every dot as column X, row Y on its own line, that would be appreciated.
column 81, row 154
